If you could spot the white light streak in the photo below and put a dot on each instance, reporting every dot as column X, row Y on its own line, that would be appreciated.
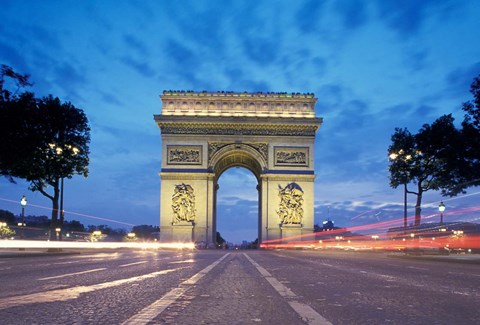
column 94, row 245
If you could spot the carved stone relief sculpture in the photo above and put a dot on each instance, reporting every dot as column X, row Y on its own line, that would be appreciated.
column 291, row 156
column 184, row 155
column 183, row 204
column 260, row 147
column 290, row 209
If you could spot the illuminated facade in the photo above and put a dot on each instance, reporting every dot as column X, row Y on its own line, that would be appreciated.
column 204, row 134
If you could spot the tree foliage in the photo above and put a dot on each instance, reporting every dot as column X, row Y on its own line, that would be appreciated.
column 6, row 232
column 426, row 159
column 145, row 231
column 47, row 140
column 219, row 239
column 7, row 216
column 440, row 156
column 471, row 134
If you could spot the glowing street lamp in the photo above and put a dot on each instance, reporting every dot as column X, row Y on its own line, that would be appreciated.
column 441, row 208
column 59, row 151
column 23, row 203
column 393, row 156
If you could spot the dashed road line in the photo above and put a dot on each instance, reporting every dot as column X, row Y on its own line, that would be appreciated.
column 184, row 261
column 306, row 312
column 73, row 292
column 134, row 263
column 150, row 312
column 418, row 268
column 64, row 263
column 71, row 274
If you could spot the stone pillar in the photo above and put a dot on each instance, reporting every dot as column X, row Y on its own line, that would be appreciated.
column 199, row 228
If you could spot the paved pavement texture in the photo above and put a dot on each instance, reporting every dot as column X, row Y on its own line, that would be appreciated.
column 237, row 287
column 454, row 258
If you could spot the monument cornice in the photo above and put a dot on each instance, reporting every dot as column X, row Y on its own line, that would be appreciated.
column 231, row 94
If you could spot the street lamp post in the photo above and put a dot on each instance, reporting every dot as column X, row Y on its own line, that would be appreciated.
column 441, row 208
column 405, row 208
column 393, row 156
column 23, row 203
column 62, row 214
column 61, row 151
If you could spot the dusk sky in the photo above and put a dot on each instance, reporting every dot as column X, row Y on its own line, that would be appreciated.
column 373, row 65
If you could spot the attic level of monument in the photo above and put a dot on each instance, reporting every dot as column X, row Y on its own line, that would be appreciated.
column 229, row 104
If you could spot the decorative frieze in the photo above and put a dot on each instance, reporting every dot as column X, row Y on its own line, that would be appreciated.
column 291, row 156
column 184, row 155
column 238, row 129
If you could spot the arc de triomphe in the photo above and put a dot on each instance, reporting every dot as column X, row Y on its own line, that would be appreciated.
column 206, row 133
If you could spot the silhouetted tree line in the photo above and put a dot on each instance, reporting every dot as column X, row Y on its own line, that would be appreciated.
column 146, row 232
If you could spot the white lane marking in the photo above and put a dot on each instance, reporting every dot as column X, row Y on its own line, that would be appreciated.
column 70, row 274
column 62, row 263
column 134, row 263
column 306, row 312
column 180, row 262
column 388, row 277
column 73, row 292
column 148, row 313
column 417, row 268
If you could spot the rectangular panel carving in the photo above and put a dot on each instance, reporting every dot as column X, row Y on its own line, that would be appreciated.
column 291, row 156
column 184, row 155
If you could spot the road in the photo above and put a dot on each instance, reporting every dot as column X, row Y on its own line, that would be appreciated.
column 236, row 287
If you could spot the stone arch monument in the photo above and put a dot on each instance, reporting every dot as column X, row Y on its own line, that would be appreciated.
column 206, row 133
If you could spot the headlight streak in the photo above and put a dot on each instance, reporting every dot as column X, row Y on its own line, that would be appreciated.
column 391, row 236
column 34, row 244
column 424, row 243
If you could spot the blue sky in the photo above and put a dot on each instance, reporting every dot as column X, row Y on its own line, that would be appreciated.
column 374, row 66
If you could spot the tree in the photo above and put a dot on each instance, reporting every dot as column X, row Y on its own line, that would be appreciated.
column 145, row 231
column 6, row 232
column 219, row 239
column 7, row 216
column 48, row 141
column 471, row 136
column 74, row 225
column 426, row 159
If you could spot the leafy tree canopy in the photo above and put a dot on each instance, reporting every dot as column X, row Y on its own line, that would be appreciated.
column 439, row 156
column 45, row 140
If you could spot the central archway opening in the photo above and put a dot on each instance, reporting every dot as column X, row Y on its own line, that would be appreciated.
column 237, row 217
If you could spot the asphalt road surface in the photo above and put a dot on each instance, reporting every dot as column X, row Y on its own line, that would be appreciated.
column 236, row 287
